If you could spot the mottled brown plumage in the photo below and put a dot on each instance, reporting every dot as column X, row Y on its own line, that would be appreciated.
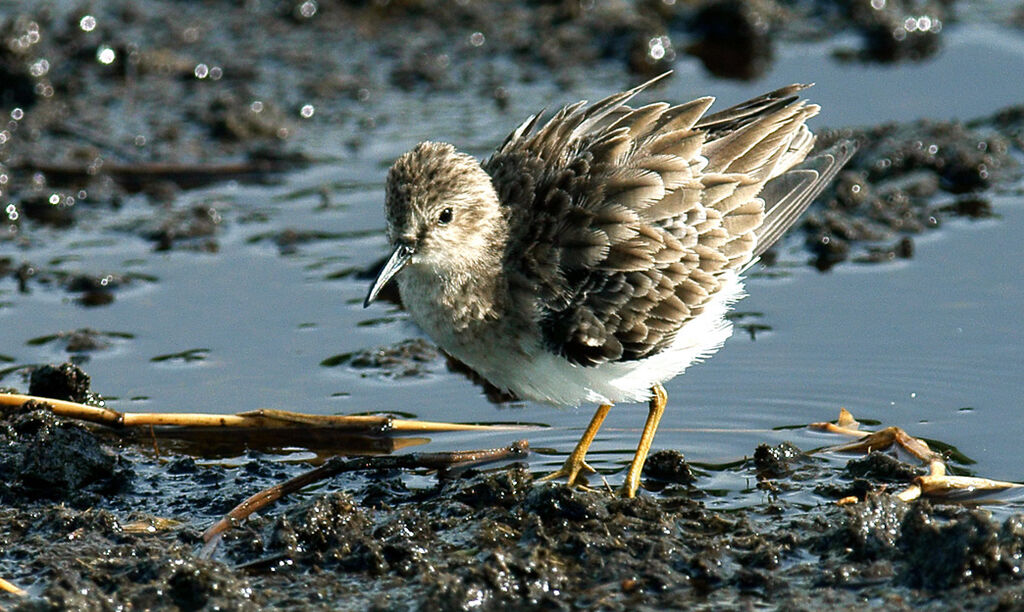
column 595, row 256
column 624, row 221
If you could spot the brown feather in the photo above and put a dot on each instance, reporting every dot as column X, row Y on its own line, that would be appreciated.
column 643, row 212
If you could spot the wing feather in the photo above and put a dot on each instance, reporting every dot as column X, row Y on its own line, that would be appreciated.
column 625, row 223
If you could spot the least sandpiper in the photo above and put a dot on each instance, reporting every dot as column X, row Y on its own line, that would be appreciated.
column 593, row 258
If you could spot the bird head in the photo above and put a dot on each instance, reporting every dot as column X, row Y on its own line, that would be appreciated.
column 442, row 213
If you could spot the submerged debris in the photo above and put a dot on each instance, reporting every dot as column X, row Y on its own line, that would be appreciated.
column 410, row 358
column 905, row 179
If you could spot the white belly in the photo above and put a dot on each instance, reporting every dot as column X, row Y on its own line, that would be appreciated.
column 531, row 372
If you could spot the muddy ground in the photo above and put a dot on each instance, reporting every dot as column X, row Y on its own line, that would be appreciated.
column 94, row 523
column 91, row 520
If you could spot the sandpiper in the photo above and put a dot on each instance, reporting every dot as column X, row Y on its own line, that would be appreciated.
column 595, row 257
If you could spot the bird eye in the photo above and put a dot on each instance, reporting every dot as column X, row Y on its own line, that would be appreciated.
column 445, row 217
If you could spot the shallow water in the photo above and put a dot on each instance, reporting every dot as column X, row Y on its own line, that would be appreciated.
column 932, row 344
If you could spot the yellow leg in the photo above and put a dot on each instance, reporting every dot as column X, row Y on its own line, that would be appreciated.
column 575, row 463
column 657, row 408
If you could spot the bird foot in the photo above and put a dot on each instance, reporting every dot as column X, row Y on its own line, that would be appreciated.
column 571, row 470
column 628, row 489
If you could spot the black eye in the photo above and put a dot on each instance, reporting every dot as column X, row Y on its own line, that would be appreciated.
column 445, row 217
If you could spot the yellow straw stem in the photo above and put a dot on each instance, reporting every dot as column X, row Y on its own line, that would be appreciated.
column 259, row 419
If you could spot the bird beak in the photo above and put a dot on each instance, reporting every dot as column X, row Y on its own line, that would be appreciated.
column 394, row 265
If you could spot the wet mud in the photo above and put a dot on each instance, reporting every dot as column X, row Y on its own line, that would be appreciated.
column 906, row 179
column 93, row 520
column 87, row 523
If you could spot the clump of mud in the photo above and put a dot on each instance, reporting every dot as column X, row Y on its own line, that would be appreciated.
column 408, row 359
column 904, row 180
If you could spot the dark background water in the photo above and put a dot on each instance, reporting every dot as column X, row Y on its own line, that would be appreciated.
column 932, row 344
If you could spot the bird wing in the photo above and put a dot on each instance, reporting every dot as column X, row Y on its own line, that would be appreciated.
column 624, row 223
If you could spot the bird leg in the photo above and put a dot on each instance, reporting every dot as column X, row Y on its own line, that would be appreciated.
column 657, row 408
column 575, row 463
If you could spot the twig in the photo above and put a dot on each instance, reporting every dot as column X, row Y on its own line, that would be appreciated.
column 884, row 438
column 10, row 588
column 259, row 419
column 938, row 484
column 934, row 484
column 337, row 465
column 72, row 410
column 845, row 425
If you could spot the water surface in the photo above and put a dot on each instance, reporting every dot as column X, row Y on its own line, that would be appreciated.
column 932, row 344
